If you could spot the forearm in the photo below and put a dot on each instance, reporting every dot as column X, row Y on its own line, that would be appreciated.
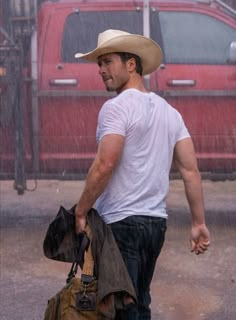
column 194, row 194
column 109, row 152
column 97, row 179
column 186, row 163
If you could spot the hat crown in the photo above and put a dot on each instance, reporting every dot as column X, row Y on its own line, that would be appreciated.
column 121, row 41
column 110, row 34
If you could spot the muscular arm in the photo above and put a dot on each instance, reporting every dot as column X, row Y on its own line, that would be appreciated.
column 108, row 155
column 186, row 163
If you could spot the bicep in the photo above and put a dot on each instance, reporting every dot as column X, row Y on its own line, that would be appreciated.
column 110, row 149
column 184, row 156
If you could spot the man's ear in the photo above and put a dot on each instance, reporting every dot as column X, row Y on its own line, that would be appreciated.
column 131, row 64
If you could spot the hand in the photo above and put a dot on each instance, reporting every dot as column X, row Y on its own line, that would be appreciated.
column 80, row 220
column 200, row 238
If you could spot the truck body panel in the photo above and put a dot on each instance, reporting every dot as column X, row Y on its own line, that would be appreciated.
column 196, row 77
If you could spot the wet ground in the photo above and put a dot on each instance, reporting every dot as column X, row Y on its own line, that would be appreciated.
column 185, row 286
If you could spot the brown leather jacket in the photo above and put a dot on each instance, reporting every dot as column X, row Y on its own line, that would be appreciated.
column 114, row 284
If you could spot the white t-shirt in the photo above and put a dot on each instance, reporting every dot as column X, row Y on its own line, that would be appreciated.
column 140, row 183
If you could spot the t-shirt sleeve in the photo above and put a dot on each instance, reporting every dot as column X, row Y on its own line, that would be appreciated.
column 182, row 131
column 112, row 119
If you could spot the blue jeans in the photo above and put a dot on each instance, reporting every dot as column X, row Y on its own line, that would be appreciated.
column 140, row 240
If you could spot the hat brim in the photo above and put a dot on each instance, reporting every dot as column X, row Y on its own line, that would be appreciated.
column 148, row 50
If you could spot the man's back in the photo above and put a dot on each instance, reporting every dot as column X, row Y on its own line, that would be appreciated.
column 140, row 181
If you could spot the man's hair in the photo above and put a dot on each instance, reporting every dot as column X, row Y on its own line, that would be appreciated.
column 125, row 56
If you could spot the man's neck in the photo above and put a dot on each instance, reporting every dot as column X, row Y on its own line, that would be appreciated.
column 135, row 82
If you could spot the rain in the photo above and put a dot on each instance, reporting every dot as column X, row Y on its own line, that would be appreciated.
column 49, row 105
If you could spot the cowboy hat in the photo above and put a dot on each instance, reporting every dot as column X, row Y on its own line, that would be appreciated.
column 111, row 41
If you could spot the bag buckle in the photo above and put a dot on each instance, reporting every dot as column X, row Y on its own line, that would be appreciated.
column 86, row 301
column 86, row 279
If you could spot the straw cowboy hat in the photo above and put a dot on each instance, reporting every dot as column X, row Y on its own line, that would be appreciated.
column 111, row 41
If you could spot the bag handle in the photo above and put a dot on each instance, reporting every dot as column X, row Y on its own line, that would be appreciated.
column 88, row 265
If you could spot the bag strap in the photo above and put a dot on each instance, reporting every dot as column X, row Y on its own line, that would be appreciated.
column 73, row 271
column 88, row 266
column 88, row 256
column 84, row 244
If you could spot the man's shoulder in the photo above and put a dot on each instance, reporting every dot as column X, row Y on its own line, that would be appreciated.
column 128, row 97
column 121, row 99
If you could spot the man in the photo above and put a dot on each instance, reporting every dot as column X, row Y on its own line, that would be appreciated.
column 139, row 134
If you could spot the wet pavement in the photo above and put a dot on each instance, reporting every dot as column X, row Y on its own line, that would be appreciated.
column 185, row 286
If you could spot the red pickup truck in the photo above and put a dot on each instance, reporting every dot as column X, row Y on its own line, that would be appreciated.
column 62, row 95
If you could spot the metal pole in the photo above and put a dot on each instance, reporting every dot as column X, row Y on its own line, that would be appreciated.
column 20, row 182
column 35, row 110
column 230, row 9
column 146, row 33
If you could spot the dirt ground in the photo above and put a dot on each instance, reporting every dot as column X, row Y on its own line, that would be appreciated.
column 184, row 287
